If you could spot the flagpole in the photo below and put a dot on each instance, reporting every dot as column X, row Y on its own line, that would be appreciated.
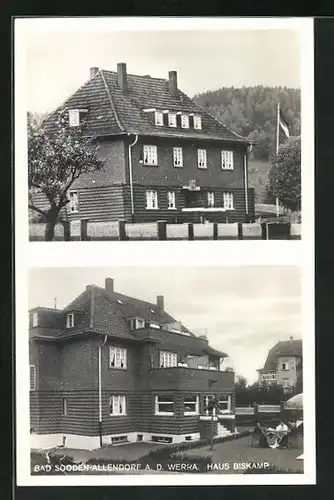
column 277, row 145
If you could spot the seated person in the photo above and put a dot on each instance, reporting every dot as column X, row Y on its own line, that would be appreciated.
column 282, row 427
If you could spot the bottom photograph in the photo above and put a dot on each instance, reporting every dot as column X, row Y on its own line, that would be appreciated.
column 166, row 370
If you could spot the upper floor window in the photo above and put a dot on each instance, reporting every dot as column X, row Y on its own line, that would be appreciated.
column 225, row 404
column 74, row 201
column 172, row 119
column 197, row 122
column 159, row 118
column 184, row 121
column 150, row 154
column 191, row 405
column 201, row 158
column 117, row 404
column 285, row 366
column 164, row 405
column 177, row 157
column 34, row 319
column 151, row 200
column 211, row 199
column 136, row 323
column 227, row 160
column 118, row 357
column 171, row 200
column 167, row 359
column 74, row 117
column 70, row 320
column 228, row 201
column 32, row 376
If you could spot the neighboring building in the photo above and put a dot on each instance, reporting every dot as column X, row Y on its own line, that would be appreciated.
column 166, row 157
column 109, row 368
column 283, row 364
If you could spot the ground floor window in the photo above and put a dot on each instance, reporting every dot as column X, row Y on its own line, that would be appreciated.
column 225, row 404
column 151, row 200
column 191, row 405
column 171, row 200
column 117, row 404
column 206, row 401
column 164, row 405
column 211, row 199
column 228, row 201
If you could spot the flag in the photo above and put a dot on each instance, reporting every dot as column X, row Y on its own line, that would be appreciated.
column 284, row 124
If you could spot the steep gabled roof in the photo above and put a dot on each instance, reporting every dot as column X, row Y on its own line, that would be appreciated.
column 281, row 349
column 112, row 111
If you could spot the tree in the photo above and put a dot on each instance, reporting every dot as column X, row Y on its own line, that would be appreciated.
column 284, row 180
column 55, row 160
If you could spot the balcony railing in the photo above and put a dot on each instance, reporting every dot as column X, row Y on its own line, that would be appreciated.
column 190, row 379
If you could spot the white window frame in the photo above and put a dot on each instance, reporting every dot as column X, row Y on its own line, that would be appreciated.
column 285, row 363
column 196, row 403
column 70, row 320
column 64, row 408
column 178, row 157
column 150, row 152
column 184, row 121
column 228, row 196
column 118, row 357
column 74, row 117
column 227, row 160
column 171, row 199
column 151, row 197
column 206, row 400
column 197, row 122
column 32, row 377
column 172, row 120
column 159, row 118
column 118, row 402
column 211, row 199
column 34, row 319
column 228, row 401
column 167, row 359
column 74, row 201
column 202, row 161
column 158, row 402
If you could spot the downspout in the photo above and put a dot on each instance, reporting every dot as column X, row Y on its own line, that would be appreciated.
column 131, row 177
column 100, row 387
column 249, row 148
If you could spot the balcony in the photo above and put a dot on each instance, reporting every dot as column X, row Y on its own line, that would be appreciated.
column 190, row 379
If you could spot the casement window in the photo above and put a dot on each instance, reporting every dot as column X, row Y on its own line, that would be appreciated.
column 211, row 199
column 206, row 401
column 64, row 406
column 74, row 201
column 191, row 405
column 167, row 359
column 228, row 201
column 159, row 118
column 32, row 377
column 117, row 404
column 227, row 160
column 184, row 121
column 74, row 117
column 164, row 405
column 285, row 366
column 171, row 200
column 172, row 119
column 225, row 404
column 136, row 323
column 70, row 320
column 201, row 158
column 34, row 319
column 151, row 200
column 197, row 122
column 150, row 155
column 118, row 357
column 177, row 157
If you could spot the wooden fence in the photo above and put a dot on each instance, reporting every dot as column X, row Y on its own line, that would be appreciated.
column 84, row 230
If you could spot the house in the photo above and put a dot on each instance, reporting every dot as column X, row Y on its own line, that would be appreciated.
column 110, row 368
column 166, row 158
column 283, row 364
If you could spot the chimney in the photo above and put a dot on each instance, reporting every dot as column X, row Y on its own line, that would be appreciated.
column 172, row 75
column 160, row 302
column 122, row 76
column 109, row 284
column 93, row 71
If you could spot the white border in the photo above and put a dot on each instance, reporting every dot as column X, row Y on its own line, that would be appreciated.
column 165, row 253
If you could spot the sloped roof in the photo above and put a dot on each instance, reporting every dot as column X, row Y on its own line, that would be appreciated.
column 112, row 111
column 282, row 348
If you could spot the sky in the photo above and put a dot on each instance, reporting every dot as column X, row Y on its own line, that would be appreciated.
column 58, row 59
column 244, row 310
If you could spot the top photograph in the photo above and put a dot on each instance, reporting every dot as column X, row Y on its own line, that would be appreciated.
column 162, row 134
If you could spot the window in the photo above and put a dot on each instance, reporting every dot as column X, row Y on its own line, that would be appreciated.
column 64, row 406
column 70, row 320
column 159, row 118
column 228, row 201
column 136, row 323
column 164, row 405
column 207, row 400
column 211, row 199
column 191, row 405
column 151, row 200
column 167, row 359
column 227, row 160
column 285, row 366
column 117, row 405
column 74, row 201
column 225, row 404
column 177, row 157
column 34, row 319
column 153, row 324
column 184, row 121
column 150, row 155
column 172, row 119
column 197, row 122
column 74, row 118
column 32, row 375
column 117, row 357
column 201, row 158
column 171, row 200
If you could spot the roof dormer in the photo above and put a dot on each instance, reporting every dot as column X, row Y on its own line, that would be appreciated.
column 76, row 116
column 70, row 320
